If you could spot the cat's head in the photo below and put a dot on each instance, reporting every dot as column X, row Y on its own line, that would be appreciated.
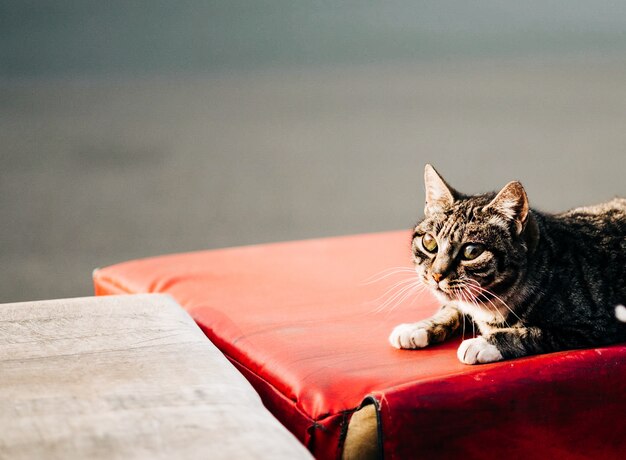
column 472, row 248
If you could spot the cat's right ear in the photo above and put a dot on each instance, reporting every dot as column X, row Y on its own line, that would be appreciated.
column 512, row 203
column 439, row 195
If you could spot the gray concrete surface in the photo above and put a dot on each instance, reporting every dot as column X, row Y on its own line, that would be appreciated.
column 136, row 128
column 98, row 171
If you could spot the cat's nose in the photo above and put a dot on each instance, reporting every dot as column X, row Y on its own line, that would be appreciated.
column 437, row 277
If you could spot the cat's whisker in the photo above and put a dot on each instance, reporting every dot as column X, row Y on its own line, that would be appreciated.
column 465, row 297
column 470, row 297
column 419, row 289
column 473, row 329
column 396, row 285
column 392, row 304
column 479, row 294
column 384, row 274
column 463, row 333
column 409, row 293
column 493, row 307
column 483, row 293
column 401, row 291
column 473, row 301
column 488, row 292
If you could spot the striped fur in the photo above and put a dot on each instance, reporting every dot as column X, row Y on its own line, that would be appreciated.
column 543, row 282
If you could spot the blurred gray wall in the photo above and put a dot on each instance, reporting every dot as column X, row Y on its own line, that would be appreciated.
column 137, row 128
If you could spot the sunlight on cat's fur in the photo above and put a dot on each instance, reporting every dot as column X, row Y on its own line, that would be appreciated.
column 620, row 313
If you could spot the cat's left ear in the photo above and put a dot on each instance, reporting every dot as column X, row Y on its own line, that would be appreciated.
column 512, row 203
column 439, row 195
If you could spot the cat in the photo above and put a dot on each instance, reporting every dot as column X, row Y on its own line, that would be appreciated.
column 531, row 282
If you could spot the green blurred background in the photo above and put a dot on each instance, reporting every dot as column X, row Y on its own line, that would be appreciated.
column 137, row 128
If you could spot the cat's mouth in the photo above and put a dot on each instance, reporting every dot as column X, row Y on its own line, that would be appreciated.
column 448, row 292
column 452, row 290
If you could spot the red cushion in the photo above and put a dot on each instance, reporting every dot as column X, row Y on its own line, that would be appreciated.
column 301, row 323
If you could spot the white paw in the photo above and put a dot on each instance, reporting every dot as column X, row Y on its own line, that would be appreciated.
column 409, row 336
column 478, row 351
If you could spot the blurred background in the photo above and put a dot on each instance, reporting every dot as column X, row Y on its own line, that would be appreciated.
column 141, row 127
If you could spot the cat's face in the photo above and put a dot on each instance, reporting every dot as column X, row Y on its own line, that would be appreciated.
column 470, row 249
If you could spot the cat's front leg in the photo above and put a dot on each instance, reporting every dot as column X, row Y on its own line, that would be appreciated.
column 499, row 344
column 437, row 328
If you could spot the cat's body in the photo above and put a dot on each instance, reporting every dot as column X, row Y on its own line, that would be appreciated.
column 531, row 282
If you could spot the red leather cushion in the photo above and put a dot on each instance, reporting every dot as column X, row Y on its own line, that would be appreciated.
column 301, row 323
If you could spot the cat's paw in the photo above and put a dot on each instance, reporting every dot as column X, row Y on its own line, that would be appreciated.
column 409, row 336
column 478, row 351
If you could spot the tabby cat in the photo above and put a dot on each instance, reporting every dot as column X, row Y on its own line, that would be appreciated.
column 530, row 282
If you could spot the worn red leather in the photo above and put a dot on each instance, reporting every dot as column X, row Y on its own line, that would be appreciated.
column 302, row 321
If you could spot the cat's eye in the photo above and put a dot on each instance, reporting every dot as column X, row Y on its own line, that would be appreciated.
column 429, row 242
column 471, row 251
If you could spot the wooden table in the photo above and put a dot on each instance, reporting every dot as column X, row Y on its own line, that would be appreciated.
column 124, row 377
